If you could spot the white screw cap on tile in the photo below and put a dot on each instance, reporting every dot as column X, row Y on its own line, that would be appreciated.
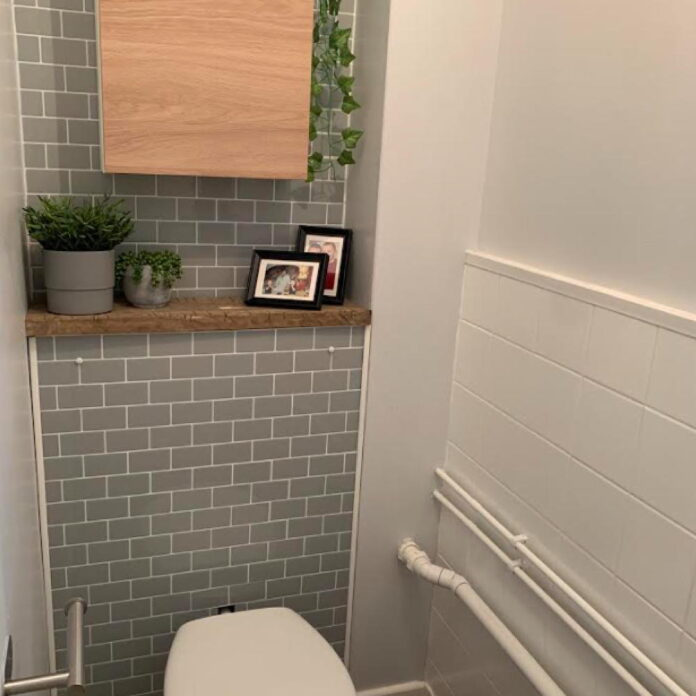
column 79, row 361
column 332, row 349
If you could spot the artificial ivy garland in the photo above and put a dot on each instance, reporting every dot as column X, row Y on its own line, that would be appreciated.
column 331, row 83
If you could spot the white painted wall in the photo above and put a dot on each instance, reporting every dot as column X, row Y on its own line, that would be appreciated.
column 576, row 425
column 22, row 610
column 591, row 171
column 414, row 212
column 362, row 191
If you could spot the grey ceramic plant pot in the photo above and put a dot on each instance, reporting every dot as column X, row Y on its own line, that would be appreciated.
column 79, row 282
column 143, row 294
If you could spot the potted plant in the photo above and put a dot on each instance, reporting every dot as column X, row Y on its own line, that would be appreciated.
column 148, row 277
column 78, row 243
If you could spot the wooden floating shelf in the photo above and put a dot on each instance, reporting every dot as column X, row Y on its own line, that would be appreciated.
column 189, row 315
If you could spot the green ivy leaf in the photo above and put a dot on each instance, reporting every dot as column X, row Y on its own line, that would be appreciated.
column 339, row 39
column 346, row 58
column 351, row 137
column 317, row 89
column 345, row 158
column 316, row 110
column 316, row 158
column 349, row 104
column 345, row 83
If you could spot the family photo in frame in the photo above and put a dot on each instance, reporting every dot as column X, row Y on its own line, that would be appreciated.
column 286, row 279
column 335, row 243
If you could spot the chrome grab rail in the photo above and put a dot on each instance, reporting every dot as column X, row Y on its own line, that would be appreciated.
column 74, row 678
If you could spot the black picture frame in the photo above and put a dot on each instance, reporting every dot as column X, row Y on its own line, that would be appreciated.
column 304, row 236
column 262, row 262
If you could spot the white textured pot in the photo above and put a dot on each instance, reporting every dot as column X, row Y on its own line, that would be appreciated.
column 142, row 294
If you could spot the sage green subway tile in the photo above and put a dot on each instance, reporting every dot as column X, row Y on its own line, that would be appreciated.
column 34, row 156
column 192, row 500
column 84, row 489
column 150, row 415
column 232, row 453
column 63, row 468
column 293, row 383
column 151, row 546
column 151, row 208
column 290, row 468
column 176, row 186
column 254, row 234
column 172, row 564
column 170, row 391
column 255, row 386
column 216, row 187
column 81, row 443
column 61, row 421
column 66, row 105
column 127, row 440
column 286, row 509
column 46, row 181
column 235, row 211
column 190, row 457
column 212, row 476
column 238, row 494
column 210, row 519
column 191, row 541
column 196, row 209
column 107, row 509
column 149, row 460
column 32, row 105
column 106, row 464
column 172, row 436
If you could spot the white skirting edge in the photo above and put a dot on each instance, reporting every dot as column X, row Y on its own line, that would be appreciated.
column 405, row 689
column 641, row 308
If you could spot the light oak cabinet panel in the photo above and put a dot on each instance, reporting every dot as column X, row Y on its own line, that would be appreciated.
column 206, row 87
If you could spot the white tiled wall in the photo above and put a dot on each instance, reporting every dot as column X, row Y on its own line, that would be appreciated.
column 577, row 426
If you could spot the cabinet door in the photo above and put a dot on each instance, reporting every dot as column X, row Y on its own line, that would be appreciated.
column 206, row 87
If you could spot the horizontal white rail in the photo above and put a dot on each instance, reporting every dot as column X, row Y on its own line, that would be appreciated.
column 417, row 561
column 519, row 542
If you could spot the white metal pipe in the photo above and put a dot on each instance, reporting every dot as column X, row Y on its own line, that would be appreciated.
column 418, row 562
column 515, row 566
column 484, row 538
column 519, row 542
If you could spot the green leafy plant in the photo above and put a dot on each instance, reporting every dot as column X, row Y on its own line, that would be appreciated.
column 165, row 265
column 332, row 89
column 60, row 224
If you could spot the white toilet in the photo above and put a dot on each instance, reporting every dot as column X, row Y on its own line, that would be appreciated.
column 265, row 652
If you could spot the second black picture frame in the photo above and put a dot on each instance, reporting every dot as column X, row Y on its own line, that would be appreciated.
column 335, row 243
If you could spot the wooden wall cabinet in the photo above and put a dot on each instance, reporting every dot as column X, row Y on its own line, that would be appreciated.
column 206, row 87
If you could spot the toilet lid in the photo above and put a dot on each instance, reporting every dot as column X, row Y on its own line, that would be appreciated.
column 266, row 652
